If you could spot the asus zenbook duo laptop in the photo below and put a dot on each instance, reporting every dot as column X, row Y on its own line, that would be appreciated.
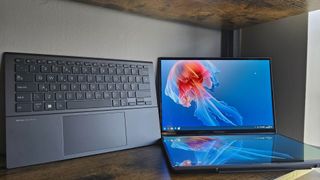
column 218, row 115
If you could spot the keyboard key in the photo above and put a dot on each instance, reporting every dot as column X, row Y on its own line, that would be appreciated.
column 24, row 77
column 131, row 79
column 89, row 95
column 49, row 106
column 138, row 79
column 145, row 79
column 84, row 87
column 119, row 87
column 65, row 87
column 75, row 70
column 60, row 96
column 45, row 69
column 119, row 71
column 72, row 78
column 123, row 102
column 34, row 68
column 89, row 104
column 102, row 87
column 38, row 106
column 95, row 70
column 85, row 70
column 107, row 95
column 56, row 69
column 66, row 69
column 116, row 79
column 123, row 94
column 80, row 95
column 21, row 68
column 143, row 72
column 111, row 87
column 75, row 87
column 62, row 78
column 54, row 87
column 115, row 102
column 99, row 79
column 144, row 86
column 91, row 78
column 38, row 96
column 93, row 87
column 134, row 87
column 140, row 103
column 131, row 94
column 115, row 95
column 49, row 96
column 127, row 87
column 40, row 77
column 19, row 61
column 127, row 71
column 26, row 87
column 23, row 97
column 61, row 105
column 108, row 79
column 82, row 78
column 51, row 78
column 134, row 71
column 124, row 79
column 112, row 71
column 143, row 94
column 103, row 70
column 24, row 107
column 70, row 96
column 98, row 95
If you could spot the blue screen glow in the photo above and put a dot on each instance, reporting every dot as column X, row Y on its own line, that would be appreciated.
column 224, row 150
column 216, row 95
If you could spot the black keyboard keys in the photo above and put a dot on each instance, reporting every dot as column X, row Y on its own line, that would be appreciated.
column 49, row 85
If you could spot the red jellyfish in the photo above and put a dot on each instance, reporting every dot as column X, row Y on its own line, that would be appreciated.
column 194, row 81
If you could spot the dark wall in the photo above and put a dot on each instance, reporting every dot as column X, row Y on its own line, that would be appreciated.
column 285, row 41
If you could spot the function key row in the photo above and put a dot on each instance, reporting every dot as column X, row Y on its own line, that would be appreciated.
column 67, row 62
column 79, row 70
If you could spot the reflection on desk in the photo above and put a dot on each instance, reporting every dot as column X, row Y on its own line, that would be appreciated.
column 140, row 163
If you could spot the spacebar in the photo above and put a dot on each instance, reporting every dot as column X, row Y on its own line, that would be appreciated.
column 88, row 104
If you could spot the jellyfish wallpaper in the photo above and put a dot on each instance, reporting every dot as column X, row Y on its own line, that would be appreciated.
column 200, row 94
column 225, row 150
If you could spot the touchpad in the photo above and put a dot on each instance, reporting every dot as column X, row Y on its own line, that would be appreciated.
column 84, row 133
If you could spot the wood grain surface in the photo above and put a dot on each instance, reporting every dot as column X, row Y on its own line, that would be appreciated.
column 140, row 163
column 226, row 14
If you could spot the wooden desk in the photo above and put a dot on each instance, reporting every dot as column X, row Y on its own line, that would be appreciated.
column 140, row 163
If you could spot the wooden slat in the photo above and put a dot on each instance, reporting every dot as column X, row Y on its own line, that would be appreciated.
column 227, row 14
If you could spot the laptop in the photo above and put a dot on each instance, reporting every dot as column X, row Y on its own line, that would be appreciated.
column 218, row 114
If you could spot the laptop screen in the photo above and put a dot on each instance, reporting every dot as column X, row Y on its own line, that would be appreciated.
column 237, row 150
column 216, row 94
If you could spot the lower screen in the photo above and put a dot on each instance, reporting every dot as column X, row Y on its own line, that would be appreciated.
column 184, row 151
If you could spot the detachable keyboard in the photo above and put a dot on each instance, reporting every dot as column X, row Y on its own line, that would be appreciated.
column 60, row 107
column 42, row 83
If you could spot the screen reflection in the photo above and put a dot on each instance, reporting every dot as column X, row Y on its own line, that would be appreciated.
column 231, row 149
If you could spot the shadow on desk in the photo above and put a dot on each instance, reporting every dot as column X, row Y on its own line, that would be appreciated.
column 140, row 163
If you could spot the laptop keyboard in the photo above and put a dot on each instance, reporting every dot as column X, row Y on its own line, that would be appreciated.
column 51, row 85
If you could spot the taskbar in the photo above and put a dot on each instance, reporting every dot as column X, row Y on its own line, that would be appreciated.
column 214, row 128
